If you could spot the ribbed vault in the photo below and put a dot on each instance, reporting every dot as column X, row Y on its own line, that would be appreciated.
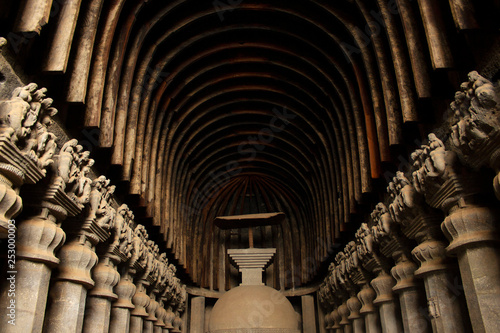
column 212, row 108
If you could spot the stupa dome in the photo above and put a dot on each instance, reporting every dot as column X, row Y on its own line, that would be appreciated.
column 251, row 308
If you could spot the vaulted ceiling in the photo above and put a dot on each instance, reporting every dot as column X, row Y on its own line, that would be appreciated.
column 209, row 108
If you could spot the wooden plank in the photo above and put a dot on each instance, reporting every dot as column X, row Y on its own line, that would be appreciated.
column 56, row 59
column 33, row 15
column 77, row 88
column 249, row 220
column 437, row 38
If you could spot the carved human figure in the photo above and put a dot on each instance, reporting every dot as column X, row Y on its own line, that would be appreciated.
column 83, row 184
column 122, row 220
column 139, row 246
column 364, row 242
column 13, row 113
column 384, row 224
column 66, row 160
column 46, row 147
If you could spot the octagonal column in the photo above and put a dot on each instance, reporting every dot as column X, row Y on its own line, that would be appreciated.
column 390, row 315
column 37, row 239
column 445, row 308
column 474, row 238
column 410, row 300
column 98, row 307
column 368, row 310
column 120, row 310
column 151, row 318
column 345, row 324
column 26, row 154
column 69, row 292
column 354, row 306
column 161, row 313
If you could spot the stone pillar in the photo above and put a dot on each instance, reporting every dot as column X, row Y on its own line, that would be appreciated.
column 69, row 292
column 140, row 300
column 120, row 311
column 159, row 325
column 421, row 222
column 337, row 318
column 445, row 308
column 354, row 306
column 37, row 239
column 368, row 310
column 345, row 324
column 26, row 147
column 328, row 322
column 390, row 315
column 474, row 238
column 410, row 300
column 197, row 324
column 470, row 227
column 26, row 151
column 308, row 314
column 98, row 308
column 169, row 319
column 177, row 323
column 78, row 257
column 151, row 318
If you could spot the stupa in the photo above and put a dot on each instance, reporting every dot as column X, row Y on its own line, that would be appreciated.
column 252, row 307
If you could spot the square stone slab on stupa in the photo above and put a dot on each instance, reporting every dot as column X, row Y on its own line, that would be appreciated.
column 248, row 220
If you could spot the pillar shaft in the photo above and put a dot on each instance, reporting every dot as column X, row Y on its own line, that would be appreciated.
column 354, row 306
column 197, row 315
column 372, row 322
column 120, row 320
column 67, row 307
column 37, row 239
column 69, row 292
column 120, row 312
column 140, row 300
column 98, row 308
column 414, row 319
column 97, row 314
column 390, row 317
column 136, row 324
column 447, row 314
column 474, row 239
column 368, row 310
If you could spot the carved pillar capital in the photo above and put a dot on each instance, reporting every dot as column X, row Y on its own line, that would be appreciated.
column 475, row 134
column 432, row 257
column 383, row 285
column 105, row 277
column 329, row 321
column 337, row 318
column 160, row 314
column 177, row 323
column 354, row 306
column 366, row 296
column 141, row 300
column 169, row 317
column 77, row 259
column 343, row 311
column 471, row 225
column 38, row 239
column 404, row 273
column 26, row 146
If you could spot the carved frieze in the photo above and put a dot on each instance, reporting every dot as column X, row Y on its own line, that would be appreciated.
column 26, row 146
column 475, row 134
column 438, row 175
